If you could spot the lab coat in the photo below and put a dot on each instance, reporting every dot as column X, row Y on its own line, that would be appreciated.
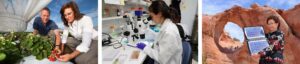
column 167, row 47
column 83, row 30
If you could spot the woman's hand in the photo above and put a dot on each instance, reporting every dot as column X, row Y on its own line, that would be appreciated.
column 68, row 57
column 141, row 46
column 65, row 57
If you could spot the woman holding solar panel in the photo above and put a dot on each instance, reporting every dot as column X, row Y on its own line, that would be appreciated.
column 274, row 53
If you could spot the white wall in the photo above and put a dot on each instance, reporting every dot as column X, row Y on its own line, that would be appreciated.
column 188, row 9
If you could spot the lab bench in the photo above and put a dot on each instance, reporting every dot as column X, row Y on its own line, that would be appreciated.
column 124, row 53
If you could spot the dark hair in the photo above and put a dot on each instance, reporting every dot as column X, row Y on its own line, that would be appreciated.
column 166, row 11
column 47, row 9
column 75, row 9
column 275, row 18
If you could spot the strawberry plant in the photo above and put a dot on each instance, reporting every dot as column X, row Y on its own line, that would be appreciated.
column 21, row 44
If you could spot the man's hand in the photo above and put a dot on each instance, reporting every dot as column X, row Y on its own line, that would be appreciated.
column 57, row 41
column 62, row 48
column 57, row 50
column 35, row 32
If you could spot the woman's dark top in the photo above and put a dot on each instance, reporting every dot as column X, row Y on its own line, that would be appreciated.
column 274, row 53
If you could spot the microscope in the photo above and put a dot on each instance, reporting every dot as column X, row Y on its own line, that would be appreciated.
column 136, row 24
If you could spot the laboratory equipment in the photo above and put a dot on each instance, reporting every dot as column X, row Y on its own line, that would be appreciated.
column 106, row 39
column 136, row 24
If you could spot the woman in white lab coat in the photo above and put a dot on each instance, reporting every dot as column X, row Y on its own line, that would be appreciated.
column 167, row 47
column 79, row 36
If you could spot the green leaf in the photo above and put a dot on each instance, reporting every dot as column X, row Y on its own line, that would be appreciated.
column 29, row 44
column 45, row 54
column 34, row 52
column 39, row 57
column 2, row 56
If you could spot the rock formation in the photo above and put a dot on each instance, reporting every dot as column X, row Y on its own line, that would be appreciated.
column 216, row 52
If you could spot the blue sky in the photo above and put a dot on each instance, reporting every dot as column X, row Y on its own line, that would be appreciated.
column 212, row 7
column 87, row 7
column 234, row 31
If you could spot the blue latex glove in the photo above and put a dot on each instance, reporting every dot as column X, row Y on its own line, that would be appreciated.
column 141, row 46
